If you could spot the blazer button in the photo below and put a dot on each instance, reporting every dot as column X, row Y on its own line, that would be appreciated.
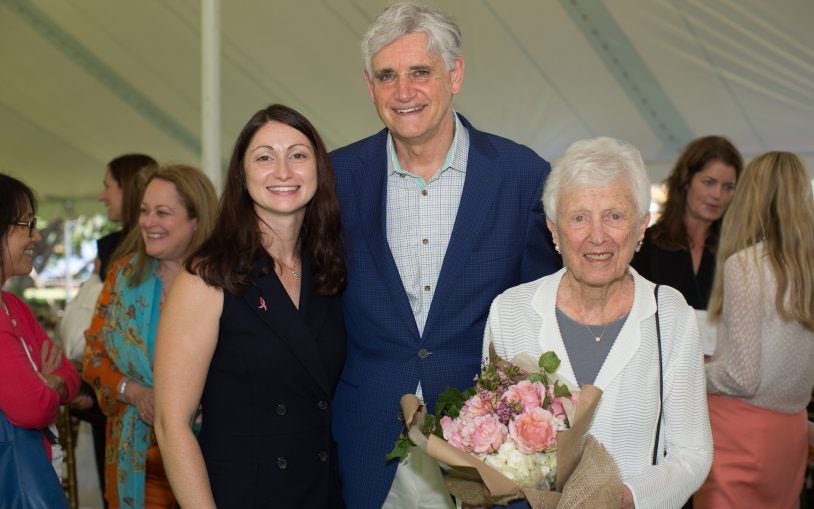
column 280, row 409
column 323, row 456
column 282, row 463
column 322, row 405
column 423, row 353
column 400, row 415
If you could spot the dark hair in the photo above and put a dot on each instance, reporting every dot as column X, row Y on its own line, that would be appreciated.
column 670, row 232
column 14, row 196
column 125, row 170
column 226, row 260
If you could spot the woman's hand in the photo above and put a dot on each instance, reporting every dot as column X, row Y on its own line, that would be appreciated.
column 51, row 360
column 141, row 397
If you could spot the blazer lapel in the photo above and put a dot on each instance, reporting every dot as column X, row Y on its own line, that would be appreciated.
column 371, row 185
column 269, row 301
column 478, row 194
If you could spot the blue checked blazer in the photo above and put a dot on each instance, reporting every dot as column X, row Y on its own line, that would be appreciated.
column 499, row 240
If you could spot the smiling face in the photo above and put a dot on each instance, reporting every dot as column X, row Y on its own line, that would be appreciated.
column 165, row 224
column 710, row 191
column 281, row 171
column 412, row 89
column 111, row 196
column 18, row 257
column 597, row 230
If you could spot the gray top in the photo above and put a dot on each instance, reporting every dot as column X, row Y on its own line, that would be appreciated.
column 586, row 353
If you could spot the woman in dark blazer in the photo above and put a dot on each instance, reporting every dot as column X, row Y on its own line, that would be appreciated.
column 254, row 331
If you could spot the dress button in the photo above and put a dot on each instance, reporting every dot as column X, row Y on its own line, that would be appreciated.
column 423, row 353
column 280, row 409
column 322, row 405
column 282, row 463
column 323, row 456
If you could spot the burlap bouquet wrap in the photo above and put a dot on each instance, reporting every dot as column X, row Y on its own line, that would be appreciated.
column 586, row 474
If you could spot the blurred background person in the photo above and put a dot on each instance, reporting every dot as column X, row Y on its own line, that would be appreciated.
column 761, row 376
column 254, row 331
column 123, row 185
column 120, row 177
column 35, row 376
column 177, row 214
column 679, row 249
column 599, row 316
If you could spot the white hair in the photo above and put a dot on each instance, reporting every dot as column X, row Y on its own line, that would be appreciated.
column 593, row 163
column 443, row 34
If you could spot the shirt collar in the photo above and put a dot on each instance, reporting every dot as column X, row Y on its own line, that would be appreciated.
column 450, row 161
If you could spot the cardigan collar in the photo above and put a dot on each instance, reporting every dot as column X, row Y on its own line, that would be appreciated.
column 544, row 302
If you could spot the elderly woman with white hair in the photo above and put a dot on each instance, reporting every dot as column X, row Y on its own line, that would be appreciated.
column 636, row 341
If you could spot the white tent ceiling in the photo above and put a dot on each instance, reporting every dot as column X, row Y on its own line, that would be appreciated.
column 82, row 81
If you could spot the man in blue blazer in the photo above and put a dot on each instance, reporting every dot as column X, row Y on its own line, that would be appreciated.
column 439, row 219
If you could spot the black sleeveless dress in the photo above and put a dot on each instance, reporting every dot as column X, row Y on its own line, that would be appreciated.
column 266, row 432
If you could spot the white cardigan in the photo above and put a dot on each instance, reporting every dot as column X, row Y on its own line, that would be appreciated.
column 522, row 319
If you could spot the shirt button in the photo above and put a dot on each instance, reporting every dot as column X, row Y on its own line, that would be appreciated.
column 282, row 464
column 425, row 241
column 323, row 456
column 322, row 405
column 427, row 288
column 423, row 192
column 423, row 353
column 280, row 409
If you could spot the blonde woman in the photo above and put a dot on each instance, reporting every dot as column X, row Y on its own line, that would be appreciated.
column 761, row 376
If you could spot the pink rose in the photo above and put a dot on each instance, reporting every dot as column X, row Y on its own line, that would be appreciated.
column 475, row 406
column 555, row 407
column 534, row 430
column 453, row 432
column 485, row 434
column 529, row 394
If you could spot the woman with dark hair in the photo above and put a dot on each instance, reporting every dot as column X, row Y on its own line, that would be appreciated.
column 35, row 376
column 120, row 182
column 679, row 249
column 254, row 332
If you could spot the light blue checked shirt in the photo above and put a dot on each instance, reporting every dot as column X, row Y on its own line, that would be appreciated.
column 420, row 217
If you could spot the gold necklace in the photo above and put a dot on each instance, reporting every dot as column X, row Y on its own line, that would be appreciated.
column 296, row 274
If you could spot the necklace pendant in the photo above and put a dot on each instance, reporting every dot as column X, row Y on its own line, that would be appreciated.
column 597, row 338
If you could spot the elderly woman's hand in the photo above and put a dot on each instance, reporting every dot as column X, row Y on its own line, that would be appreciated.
column 141, row 397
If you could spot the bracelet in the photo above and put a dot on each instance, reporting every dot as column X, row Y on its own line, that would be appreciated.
column 122, row 387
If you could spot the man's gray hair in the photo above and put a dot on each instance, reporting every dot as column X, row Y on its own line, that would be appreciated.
column 593, row 163
column 443, row 34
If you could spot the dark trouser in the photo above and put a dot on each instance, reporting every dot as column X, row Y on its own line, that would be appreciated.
column 98, row 421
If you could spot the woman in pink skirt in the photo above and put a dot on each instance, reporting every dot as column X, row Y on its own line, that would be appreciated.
column 761, row 376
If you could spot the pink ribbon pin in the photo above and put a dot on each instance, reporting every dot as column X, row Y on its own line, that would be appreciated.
column 263, row 304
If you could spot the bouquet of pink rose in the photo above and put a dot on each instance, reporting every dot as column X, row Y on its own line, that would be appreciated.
column 518, row 433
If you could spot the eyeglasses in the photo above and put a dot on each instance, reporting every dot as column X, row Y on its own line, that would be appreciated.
column 31, row 224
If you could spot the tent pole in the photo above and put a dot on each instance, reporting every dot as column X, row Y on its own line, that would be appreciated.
column 210, row 90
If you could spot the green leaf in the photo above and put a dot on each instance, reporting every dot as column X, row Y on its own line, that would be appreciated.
column 561, row 390
column 549, row 362
column 427, row 426
column 400, row 449
column 449, row 403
